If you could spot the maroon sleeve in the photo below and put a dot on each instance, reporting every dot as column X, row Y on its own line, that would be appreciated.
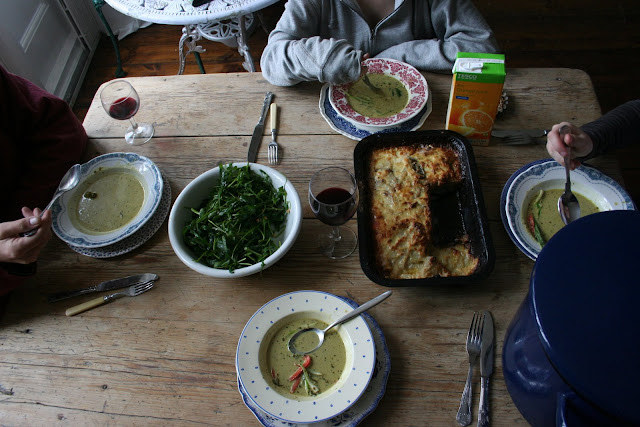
column 40, row 139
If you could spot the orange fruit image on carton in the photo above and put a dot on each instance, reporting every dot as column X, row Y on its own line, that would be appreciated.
column 476, row 88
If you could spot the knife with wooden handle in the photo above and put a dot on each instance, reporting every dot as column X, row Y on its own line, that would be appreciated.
column 486, row 368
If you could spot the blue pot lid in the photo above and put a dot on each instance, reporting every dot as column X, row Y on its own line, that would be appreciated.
column 585, row 289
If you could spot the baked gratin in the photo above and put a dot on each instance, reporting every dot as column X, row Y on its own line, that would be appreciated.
column 404, row 180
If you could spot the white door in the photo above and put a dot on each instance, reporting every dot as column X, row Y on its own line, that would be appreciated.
column 49, row 42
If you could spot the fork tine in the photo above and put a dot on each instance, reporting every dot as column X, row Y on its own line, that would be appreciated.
column 472, row 328
column 142, row 287
column 478, row 330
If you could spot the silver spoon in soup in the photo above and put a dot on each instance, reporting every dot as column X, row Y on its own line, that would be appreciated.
column 568, row 205
column 319, row 333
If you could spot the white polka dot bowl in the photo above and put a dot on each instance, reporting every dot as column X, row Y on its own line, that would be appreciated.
column 252, row 348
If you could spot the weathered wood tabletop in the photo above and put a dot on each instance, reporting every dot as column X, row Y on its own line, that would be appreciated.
column 168, row 357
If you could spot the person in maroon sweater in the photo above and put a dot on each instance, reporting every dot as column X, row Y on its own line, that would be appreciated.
column 40, row 139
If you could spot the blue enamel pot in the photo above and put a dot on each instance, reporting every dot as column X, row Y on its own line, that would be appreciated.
column 571, row 354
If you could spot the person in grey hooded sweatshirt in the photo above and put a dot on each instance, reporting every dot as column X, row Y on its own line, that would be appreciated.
column 326, row 40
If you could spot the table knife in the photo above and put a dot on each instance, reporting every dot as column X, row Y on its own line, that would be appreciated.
column 257, row 132
column 104, row 286
column 534, row 133
column 486, row 368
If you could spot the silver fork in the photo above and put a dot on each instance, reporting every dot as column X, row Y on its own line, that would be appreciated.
column 524, row 139
column 273, row 154
column 474, row 338
column 131, row 291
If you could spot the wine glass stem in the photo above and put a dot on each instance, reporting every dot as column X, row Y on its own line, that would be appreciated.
column 335, row 234
column 336, row 237
column 134, row 125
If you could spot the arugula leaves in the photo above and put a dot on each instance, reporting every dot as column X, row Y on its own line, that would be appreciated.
column 236, row 226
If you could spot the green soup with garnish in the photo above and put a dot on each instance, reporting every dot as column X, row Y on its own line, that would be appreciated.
column 107, row 200
column 390, row 100
column 542, row 217
column 323, row 370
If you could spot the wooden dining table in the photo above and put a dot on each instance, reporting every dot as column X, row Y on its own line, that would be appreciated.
column 167, row 357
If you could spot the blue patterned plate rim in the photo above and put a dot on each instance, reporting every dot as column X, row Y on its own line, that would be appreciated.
column 67, row 232
column 603, row 191
column 364, row 406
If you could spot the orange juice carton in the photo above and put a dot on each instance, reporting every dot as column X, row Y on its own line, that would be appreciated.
column 476, row 88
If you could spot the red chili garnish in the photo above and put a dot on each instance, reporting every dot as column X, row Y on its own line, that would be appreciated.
column 531, row 223
column 295, row 385
column 305, row 363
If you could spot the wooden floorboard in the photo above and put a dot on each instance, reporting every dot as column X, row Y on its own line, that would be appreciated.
column 598, row 37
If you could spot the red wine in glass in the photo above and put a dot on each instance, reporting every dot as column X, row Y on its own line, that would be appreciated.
column 123, row 108
column 121, row 101
column 333, row 197
column 334, row 206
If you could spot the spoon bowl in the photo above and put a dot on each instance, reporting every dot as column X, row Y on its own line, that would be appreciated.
column 568, row 205
column 320, row 333
column 376, row 89
column 68, row 182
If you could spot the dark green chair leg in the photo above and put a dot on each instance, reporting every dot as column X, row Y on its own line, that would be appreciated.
column 98, row 5
column 199, row 61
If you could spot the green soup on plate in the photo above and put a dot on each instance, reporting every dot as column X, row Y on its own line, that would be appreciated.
column 390, row 100
column 316, row 373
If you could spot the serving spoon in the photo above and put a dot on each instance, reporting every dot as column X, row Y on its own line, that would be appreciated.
column 320, row 333
column 568, row 205
column 68, row 182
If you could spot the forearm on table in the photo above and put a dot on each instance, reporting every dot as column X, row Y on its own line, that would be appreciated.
column 616, row 129
column 286, row 61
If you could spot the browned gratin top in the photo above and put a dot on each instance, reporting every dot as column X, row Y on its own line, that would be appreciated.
column 402, row 181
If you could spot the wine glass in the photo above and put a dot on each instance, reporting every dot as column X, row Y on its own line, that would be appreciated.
column 121, row 101
column 333, row 196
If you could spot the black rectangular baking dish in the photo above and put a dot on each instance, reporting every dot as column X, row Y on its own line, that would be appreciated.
column 459, row 212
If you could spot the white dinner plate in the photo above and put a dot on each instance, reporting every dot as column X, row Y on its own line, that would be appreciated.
column 359, row 368
column 547, row 174
column 367, row 402
column 152, row 183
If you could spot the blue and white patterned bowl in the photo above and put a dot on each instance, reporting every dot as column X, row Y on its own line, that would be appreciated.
column 360, row 365
column 547, row 174
column 152, row 183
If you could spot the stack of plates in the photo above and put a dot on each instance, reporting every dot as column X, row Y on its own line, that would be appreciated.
column 351, row 130
column 355, row 398
column 125, row 239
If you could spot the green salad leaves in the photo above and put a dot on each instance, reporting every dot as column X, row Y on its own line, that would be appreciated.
column 236, row 226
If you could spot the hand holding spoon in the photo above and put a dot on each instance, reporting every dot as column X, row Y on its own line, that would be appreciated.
column 69, row 181
column 320, row 333
column 568, row 205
